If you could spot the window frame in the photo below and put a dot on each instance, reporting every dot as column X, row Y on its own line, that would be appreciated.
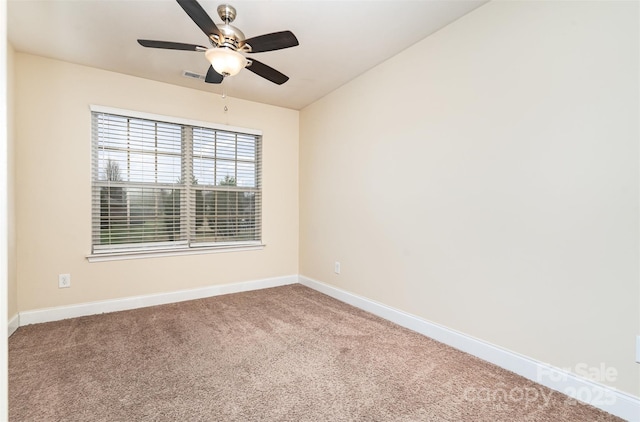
column 188, row 247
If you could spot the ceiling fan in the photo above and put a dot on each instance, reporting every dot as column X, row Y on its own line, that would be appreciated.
column 227, row 44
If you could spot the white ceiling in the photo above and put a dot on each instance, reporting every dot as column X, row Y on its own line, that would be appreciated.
column 339, row 40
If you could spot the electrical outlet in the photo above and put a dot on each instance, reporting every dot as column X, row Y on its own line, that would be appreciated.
column 64, row 281
column 336, row 267
column 637, row 349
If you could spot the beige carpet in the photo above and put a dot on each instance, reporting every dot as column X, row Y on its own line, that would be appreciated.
column 281, row 354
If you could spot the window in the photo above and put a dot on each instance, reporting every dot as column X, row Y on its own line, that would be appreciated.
column 168, row 185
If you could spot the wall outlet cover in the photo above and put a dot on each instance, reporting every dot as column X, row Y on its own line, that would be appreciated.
column 64, row 281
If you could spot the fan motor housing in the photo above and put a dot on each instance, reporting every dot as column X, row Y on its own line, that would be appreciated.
column 232, row 37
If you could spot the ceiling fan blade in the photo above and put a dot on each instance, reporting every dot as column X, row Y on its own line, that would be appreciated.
column 267, row 72
column 199, row 16
column 213, row 77
column 273, row 41
column 171, row 45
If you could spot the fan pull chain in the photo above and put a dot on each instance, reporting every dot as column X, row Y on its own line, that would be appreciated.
column 224, row 98
column 224, row 101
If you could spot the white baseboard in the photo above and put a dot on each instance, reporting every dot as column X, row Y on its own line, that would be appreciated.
column 13, row 324
column 603, row 397
column 92, row 308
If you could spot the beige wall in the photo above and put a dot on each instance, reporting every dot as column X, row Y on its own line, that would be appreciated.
column 12, row 287
column 486, row 179
column 53, row 182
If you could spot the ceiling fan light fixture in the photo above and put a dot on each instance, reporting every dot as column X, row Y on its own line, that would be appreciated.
column 226, row 61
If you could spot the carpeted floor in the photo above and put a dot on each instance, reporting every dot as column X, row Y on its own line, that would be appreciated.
column 282, row 354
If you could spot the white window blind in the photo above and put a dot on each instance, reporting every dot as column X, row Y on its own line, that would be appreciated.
column 163, row 185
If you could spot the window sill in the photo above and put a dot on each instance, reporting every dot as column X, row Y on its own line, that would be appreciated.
column 124, row 255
